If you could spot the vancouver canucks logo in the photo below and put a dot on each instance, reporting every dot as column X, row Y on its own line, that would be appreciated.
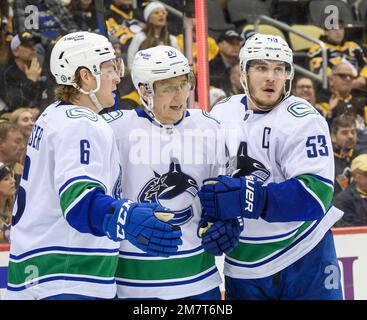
column 244, row 165
column 117, row 191
column 174, row 190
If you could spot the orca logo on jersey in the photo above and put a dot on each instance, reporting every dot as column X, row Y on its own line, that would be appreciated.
column 244, row 165
column 117, row 191
column 174, row 190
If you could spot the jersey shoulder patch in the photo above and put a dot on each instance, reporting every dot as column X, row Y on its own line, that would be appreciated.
column 77, row 113
column 300, row 109
column 112, row 116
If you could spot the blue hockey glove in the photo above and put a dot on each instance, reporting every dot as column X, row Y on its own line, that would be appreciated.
column 144, row 225
column 225, row 198
column 222, row 236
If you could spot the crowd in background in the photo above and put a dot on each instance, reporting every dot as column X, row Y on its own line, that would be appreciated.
column 27, row 85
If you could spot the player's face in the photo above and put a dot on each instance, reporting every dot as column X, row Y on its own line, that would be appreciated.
column 110, row 78
column 266, row 80
column 25, row 123
column 170, row 99
column 345, row 138
column 7, row 186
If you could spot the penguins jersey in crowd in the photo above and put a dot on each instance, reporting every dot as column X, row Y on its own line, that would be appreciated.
column 289, row 150
column 167, row 164
column 71, row 155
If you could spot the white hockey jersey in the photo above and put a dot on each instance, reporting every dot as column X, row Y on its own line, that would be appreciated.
column 289, row 144
column 168, row 165
column 70, row 153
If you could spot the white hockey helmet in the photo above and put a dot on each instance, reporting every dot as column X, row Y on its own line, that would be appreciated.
column 158, row 63
column 266, row 47
column 81, row 49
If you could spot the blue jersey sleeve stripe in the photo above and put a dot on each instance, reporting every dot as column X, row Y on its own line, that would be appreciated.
column 81, row 178
column 327, row 181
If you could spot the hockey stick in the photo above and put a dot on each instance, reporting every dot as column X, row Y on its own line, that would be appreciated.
column 99, row 4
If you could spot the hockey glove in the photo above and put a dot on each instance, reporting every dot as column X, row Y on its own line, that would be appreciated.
column 225, row 198
column 222, row 236
column 144, row 225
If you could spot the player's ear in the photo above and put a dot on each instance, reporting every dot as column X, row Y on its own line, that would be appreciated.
column 86, row 78
column 143, row 92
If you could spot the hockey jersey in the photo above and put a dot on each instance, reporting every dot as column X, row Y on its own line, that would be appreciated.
column 167, row 164
column 289, row 150
column 71, row 154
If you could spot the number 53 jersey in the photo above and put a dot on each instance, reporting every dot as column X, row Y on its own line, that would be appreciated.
column 289, row 143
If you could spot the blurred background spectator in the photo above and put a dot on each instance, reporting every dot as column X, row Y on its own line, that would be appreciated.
column 215, row 95
column 7, row 192
column 154, row 33
column 6, row 30
column 340, row 99
column 24, row 119
column 22, row 80
column 353, row 200
column 219, row 68
column 344, row 138
column 338, row 49
column 84, row 14
column 11, row 149
column 123, row 22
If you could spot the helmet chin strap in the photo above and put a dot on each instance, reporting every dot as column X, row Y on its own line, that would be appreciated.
column 149, row 109
column 91, row 94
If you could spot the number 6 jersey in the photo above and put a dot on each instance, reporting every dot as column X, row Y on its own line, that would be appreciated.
column 71, row 154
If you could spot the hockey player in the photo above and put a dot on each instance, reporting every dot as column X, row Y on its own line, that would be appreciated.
column 67, row 224
column 168, row 151
column 282, row 184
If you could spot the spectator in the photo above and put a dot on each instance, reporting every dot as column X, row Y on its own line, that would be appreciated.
column 304, row 87
column 11, row 148
column 22, row 81
column 219, row 68
column 24, row 119
column 339, row 49
column 235, row 80
column 353, row 200
column 54, row 19
column 341, row 99
column 344, row 138
column 123, row 22
column 84, row 15
column 154, row 33
column 7, row 192
column 215, row 95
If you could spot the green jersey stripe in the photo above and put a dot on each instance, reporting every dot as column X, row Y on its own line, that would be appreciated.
column 173, row 268
column 55, row 263
column 322, row 190
column 253, row 252
column 74, row 191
